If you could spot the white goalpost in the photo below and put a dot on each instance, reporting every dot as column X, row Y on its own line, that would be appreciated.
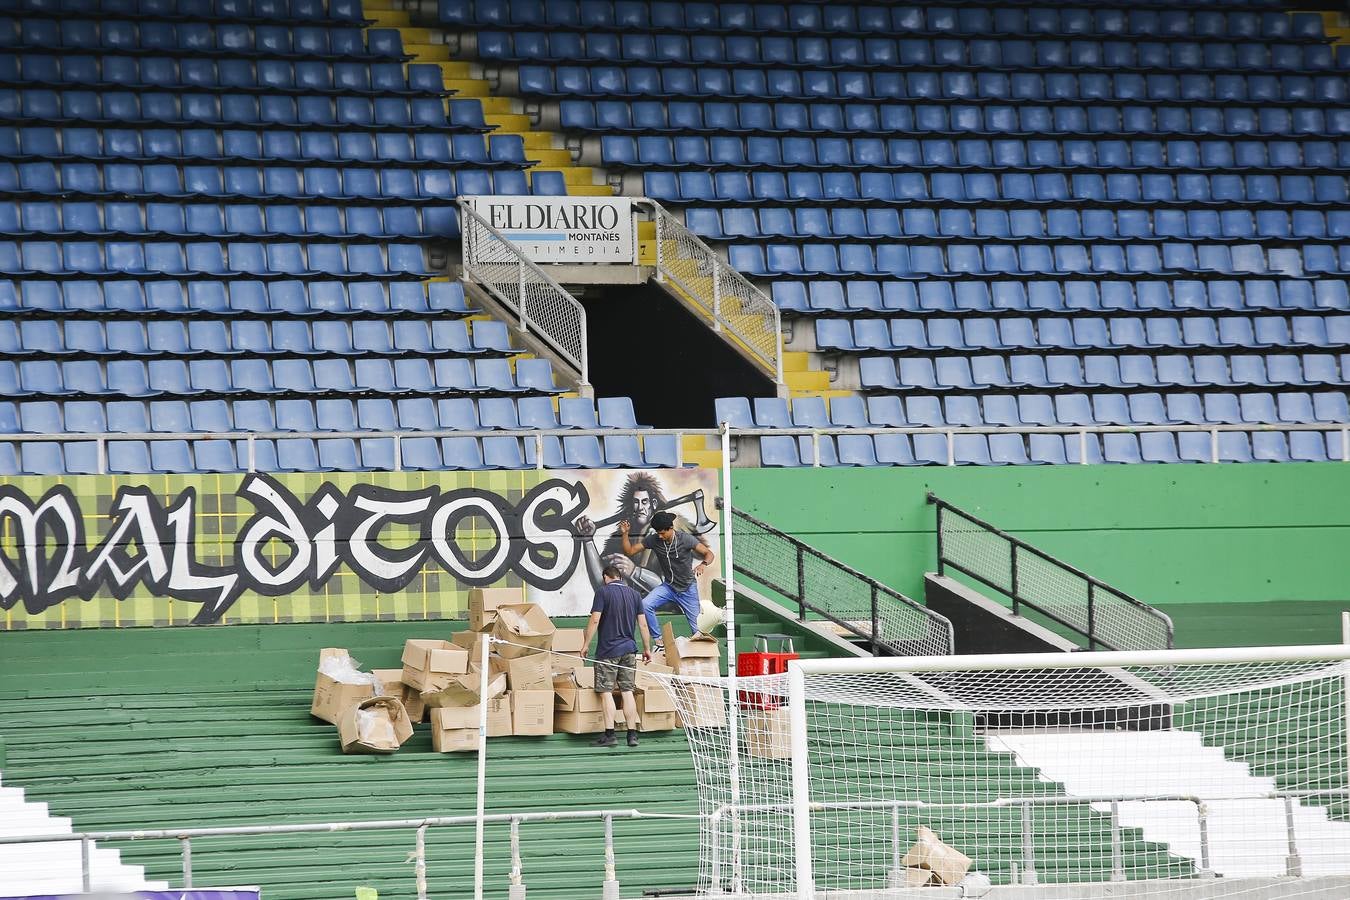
column 1173, row 774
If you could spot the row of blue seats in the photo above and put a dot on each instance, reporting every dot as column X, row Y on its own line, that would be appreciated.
column 260, row 146
column 866, row 118
column 254, row 337
column 780, row 222
column 197, row 38
column 1100, row 372
column 1139, row 297
column 333, row 414
column 283, row 183
column 1014, row 188
column 813, row 58
column 207, row 298
column 261, row 377
column 772, row 152
column 339, row 454
column 234, row 258
column 888, row 411
column 1057, row 333
column 922, row 261
column 809, row 18
column 297, row 11
column 172, row 220
column 1003, row 154
column 129, row 107
column 234, row 75
column 1050, row 449
column 268, row 145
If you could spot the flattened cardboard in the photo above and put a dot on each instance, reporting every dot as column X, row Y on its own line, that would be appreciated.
column 332, row 697
column 767, row 734
column 531, row 712
column 484, row 603
column 428, row 665
column 391, row 727
column 525, row 628
column 462, row 690
column 948, row 864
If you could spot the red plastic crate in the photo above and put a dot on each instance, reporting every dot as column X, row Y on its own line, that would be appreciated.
column 762, row 662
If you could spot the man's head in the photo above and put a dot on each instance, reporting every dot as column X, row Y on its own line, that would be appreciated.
column 641, row 497
column 611, row 573
column 663, row 523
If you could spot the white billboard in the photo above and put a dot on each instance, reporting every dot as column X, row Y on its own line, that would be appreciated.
column 564, row 229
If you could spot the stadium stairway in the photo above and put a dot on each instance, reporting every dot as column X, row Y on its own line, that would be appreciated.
column 50, row 868
column 1247, row 837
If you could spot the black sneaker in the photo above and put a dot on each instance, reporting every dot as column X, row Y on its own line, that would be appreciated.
column 658, row 647
column 632, row 738
column 606, row 740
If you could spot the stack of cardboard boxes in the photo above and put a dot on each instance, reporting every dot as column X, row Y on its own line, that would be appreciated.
column 538, row 682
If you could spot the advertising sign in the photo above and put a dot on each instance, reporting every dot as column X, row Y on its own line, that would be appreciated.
column 564, row 229
column 106, row 551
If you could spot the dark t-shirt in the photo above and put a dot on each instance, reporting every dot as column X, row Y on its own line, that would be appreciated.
column 676, row 559
column 619, row 607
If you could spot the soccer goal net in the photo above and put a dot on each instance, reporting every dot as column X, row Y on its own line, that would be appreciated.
column 1165, row 774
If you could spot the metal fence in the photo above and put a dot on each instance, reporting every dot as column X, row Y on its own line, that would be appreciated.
column 864, row 607
column 739, row 312
column 541, row 306
column 417, row 858
column 1105, row 617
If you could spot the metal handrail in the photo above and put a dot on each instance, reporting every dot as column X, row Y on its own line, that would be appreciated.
column 733, row 305
column 418, row 857
column 509, row 275
column 1013, row 585
column 940, row 636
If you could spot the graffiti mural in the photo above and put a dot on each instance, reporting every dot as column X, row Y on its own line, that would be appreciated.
column 109, row 551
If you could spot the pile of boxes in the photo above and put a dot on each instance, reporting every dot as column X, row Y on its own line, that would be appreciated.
column 538, row 683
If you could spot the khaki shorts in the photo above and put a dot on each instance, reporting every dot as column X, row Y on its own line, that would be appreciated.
column 610, row 671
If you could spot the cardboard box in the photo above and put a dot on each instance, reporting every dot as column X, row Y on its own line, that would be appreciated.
column 570, row 641
column 332, row 697
column 532, row 712
column 454, row 740
column 463, row 690
column 707, row 707
column 429, row 665
column 578, row 722
column 916, row 877
column 472, row 642
column 768, row 733
column 392, row 684
column 575, row 691
column 698, row 655
column 455, row 728
column 565, row 662
column 947, row 864
column 377, row 725
column 655, row 719
column 526, row 673
column 525, row 628
column 644, row 680
column 484, row 603
column 657, row 700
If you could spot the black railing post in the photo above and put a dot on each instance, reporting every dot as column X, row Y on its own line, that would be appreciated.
column 1012, row 559
column 941, row 557
column 876, row 623
column 801, row 585
column 1092, row 617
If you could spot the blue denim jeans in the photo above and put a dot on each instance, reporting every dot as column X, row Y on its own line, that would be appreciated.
column 662, row 595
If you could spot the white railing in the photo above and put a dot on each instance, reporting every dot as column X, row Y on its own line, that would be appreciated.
column 541, row 306
column 739, row 312
column 537, row 435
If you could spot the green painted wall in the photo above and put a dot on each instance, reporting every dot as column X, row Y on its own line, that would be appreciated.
column 1236, row 554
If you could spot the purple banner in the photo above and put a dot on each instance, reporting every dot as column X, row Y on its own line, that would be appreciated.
column 194, row 894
